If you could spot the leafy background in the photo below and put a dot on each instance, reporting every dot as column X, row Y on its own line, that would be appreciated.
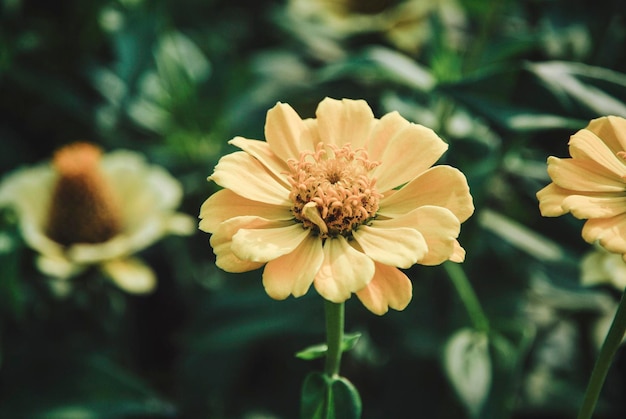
column 505, row 83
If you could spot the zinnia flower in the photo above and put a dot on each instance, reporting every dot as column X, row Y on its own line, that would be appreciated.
column 340, row 202
column 87, row 209
column 592, row 184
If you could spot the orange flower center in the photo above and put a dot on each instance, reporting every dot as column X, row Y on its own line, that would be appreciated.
column 332, row 190
column 83, row 207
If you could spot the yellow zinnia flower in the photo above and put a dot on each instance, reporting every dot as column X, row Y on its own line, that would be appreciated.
column 86, row 209
column 592, row 184
column 320, row 203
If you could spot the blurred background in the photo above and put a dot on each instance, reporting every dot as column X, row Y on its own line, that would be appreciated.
column 505, row 83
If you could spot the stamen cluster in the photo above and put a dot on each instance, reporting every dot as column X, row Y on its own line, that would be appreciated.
column 337, row 182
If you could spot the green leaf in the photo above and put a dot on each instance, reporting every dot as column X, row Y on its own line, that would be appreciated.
column 319, row 351
column 325, row 397
column 468, row 366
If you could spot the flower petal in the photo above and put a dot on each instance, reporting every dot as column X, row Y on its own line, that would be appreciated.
column 595, row 205
column 344, row 121
column 583, row 175
column 261, row 151
column 458, row 255
column 585, row 145
column 225, row 204
column 131, row 275
column 284, row 131
column 294, row 272
column 246, row 176
column 551, row 200
column 609, row 232
column 344, row 270
column 438, row 225
column 401, row 247
column 389, row 288
column 612, row 130
column 265, row 244
column 382, row 133
column 221, row 241
column 399, row 166
column 441, row 186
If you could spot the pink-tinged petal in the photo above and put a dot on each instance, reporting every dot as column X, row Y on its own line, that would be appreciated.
column 551, row 200
column 389, row 288
column 401, row 247
column 595, row 205
column 441, row 186
column 583, row 176
column 610, row 232
column 458, row 255
column 438, row 225
column 261, row 151
column 265, row 244
column 246, row 176
column 222, row 238
column 344, row 270
column 382, row 133
column 226, row 204
column 283, row 132
column 410, row 152
column 585, row 145
column 293, row 273
column 612, row 130
column 344, row 121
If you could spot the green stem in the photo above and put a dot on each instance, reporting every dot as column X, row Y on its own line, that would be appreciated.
column 335, row 319
column 467, row 296
column 601, row 368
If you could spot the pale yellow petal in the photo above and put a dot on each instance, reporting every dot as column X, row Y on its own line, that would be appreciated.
column 265, row 244
column 382, row 133
column 261, row 151
column 612, row 130
column 221, row 241
column 551, row 200
column 58, row 266
column 293, row 273
column 410, row 152
column 247, row 177
column 389, row 288
column 344, row 121
column 441, row 186
column 225, row 204
column 583, row 176
column 284, row 131
column 458, row 255
column 344, row 270
column 438, row 225
column 586, row 145
column 595, row 205
column 401, row 247
column 609, row 232
column 131, row 275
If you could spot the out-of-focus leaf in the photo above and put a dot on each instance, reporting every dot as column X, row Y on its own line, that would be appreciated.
column 325, row 397
column 11, row 292
column 468, row 367
column 382, row 65
column 179, row 60
column 520, row 236
column 598, row 90
column 318, row 351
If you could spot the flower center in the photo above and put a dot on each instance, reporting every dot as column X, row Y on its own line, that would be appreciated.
column 83, row 207
column 332, row 190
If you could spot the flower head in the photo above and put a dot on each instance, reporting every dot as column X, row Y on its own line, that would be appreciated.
column 592, row 183
column 339, row 201
column 86, row 208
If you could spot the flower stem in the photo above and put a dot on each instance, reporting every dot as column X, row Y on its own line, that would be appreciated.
column 335, row 319
column 467, row 296
column 601, row 368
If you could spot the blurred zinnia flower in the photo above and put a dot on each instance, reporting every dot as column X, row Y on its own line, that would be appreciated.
column 339, row 202
column 87, row 209
column 592, row 184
